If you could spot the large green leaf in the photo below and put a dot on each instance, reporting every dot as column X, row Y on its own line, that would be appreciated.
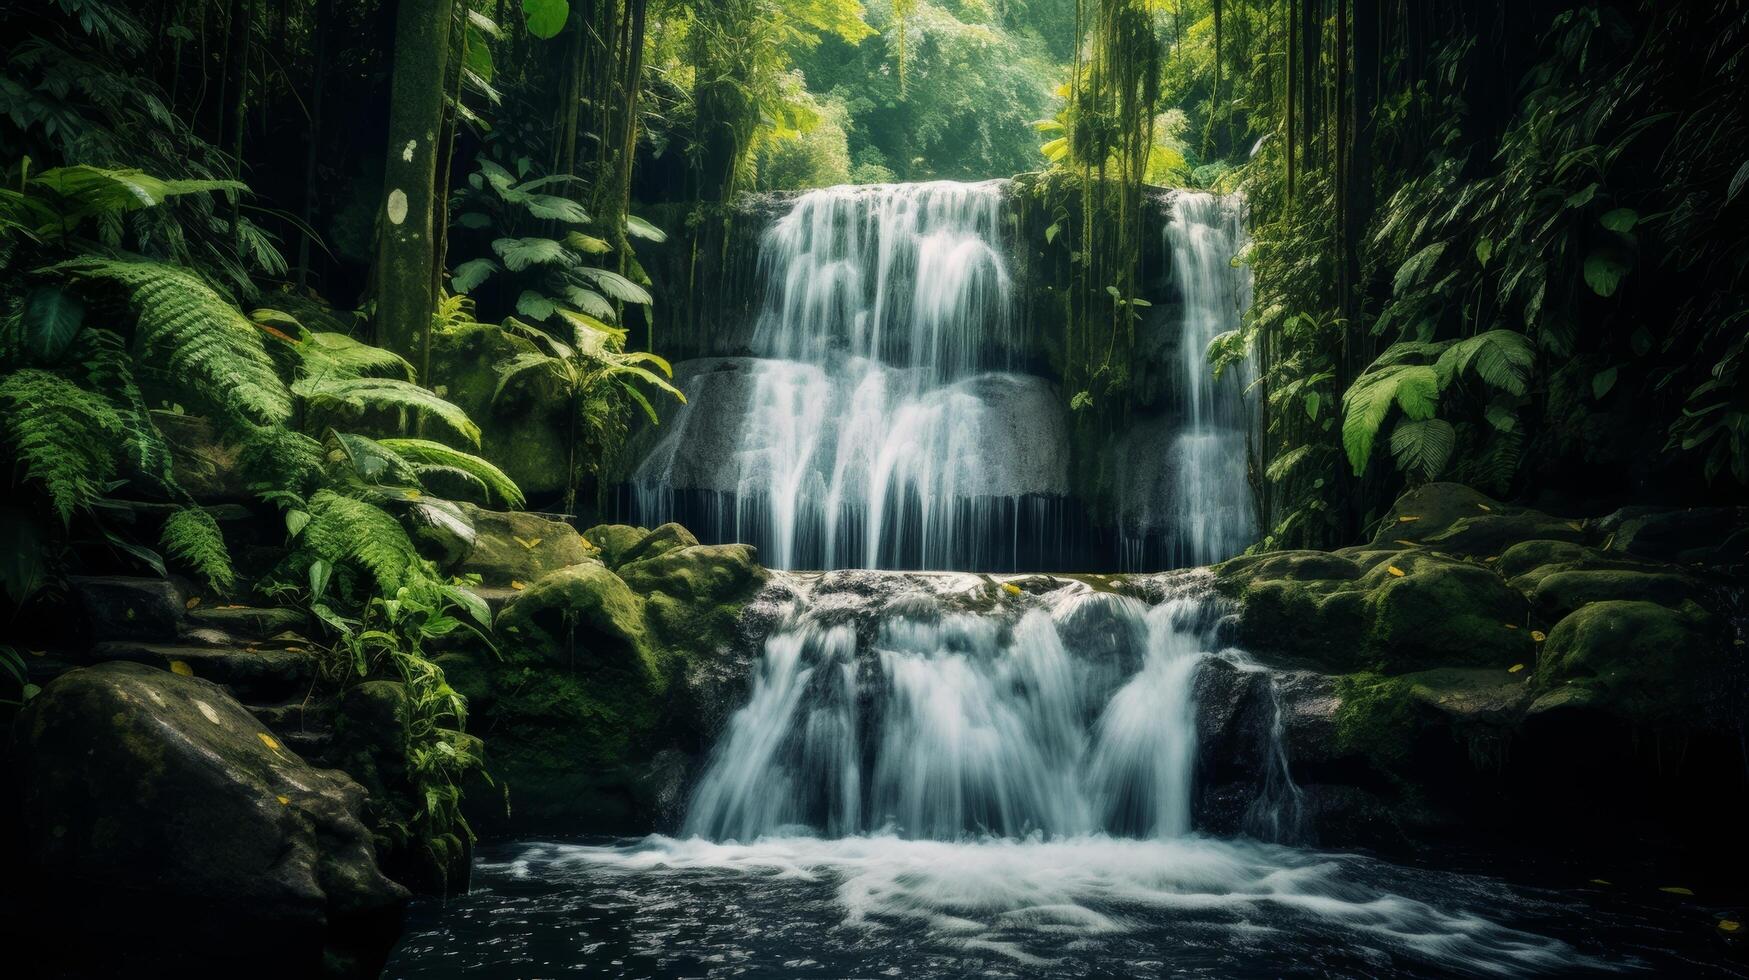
column 639, row 228
column 1423, row 446
column 1605, row 269
column 51, row 319
column 424, row 452
column 361, row 394
column 616, row 285
column 1501, row 358
column 468, row 276
column 546, row 18
column 520, row 253
column 1412, row 387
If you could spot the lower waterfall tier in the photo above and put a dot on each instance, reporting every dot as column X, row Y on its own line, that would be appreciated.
column 1076, row 716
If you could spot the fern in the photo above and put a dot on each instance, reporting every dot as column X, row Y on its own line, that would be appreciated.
column 342, row 529
column 280, row 459
column 335, row 355
column 109, row 369
column 1423, row 446
column 1412, row 387
column 361, row 394
column 424, row 455
column 199, row 342
column 193, row 537
column 62, row 434
column 1501, row 358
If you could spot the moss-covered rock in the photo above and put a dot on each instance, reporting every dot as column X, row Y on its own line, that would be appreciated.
column 1457, row 520
column 184, row 832
column 516, row 546
column 664, row 539
column 613, row 541
column 586, row 703
column 1426, row 610
column 1556, row 591
column 522, row 429
column 1639, row 661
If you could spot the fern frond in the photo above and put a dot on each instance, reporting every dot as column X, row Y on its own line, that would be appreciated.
column 423, row 453
column 1413, row 387
column 361, row 394
column 1501, row 358
column 109, row 369
column 335, row 355
column 1422, row 447
column 277, row 458
column 343, row 529
column 199, row 342
column 193, row 537
column 62, row 434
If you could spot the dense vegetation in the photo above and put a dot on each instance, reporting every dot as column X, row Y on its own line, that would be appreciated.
column 1497, row 243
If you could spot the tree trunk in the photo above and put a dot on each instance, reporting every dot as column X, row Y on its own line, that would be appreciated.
column 406, row 246
column 319, row 31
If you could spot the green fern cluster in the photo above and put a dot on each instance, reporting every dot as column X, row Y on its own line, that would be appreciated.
column 345, row 530
column 63, row 435
column 192, row 337
column 193, row 537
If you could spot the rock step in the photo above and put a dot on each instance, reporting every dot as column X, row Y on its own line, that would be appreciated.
column 307, row 715
column 256, row 675
column 245, row 621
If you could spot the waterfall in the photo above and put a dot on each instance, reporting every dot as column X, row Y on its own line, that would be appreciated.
column 1073, row 718
column 879, row 425
column 1198, row 506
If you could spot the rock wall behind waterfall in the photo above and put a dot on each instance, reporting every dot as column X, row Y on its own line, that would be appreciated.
column 873, row 381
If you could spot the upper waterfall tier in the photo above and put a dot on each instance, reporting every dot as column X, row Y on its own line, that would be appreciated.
column 889, row 403
column 910, row 275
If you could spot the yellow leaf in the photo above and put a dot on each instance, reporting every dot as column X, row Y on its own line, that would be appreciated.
column 181, row 667
column 1010, row 588
column 1485, row 507
column 38, row 653
column 1515, row 668
column 1406, row 518
column 412, row 495
column 1538, row 635
column 1575, row 525
column 294, row 649
column 518, row 586
column 1491, row 559
column 1394, row 570
column 192, row 602
column 528, row 543
column 1730, row 925
column 268, row 740
column 1511, row 626
column 1406, row 543
column 1677, row 891
column 1599, row 881
column 283, row 800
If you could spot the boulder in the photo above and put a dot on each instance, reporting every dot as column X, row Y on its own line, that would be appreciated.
column 664, row 539
column 1555, row 591
column 1426, row 610
column 523, row 428
column 187, row 837
column 1698, row 535
column 1457, row 520
column 517, row 546
column 612, row 541
column 693, row 595
column 1640, row 662
column 581, row 616
column 124, row 607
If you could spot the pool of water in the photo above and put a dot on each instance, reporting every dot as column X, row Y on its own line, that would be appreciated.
column 1085, row 907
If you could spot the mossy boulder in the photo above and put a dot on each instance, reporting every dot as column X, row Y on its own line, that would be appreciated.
column 1410, row 610
column 613, row 541
column 1456, row 520
column 1557, row 591
column 523, row 428
column 1427, row 610
column 517, row 546
column 187, row 835
column 588, row 700
column 662, row 540
column 1638, row 661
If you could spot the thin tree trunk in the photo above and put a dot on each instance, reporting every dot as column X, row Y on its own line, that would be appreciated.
column 324, row 14
column 406, row 245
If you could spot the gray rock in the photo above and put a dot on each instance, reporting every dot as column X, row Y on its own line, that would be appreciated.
column 190, row 838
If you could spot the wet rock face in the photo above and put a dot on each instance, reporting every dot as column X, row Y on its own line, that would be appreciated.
column 185, row 833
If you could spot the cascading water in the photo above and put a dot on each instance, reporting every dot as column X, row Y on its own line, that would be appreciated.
column 936, row 775
column 878, row 425
column 959, row 725
column 1199, row 505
